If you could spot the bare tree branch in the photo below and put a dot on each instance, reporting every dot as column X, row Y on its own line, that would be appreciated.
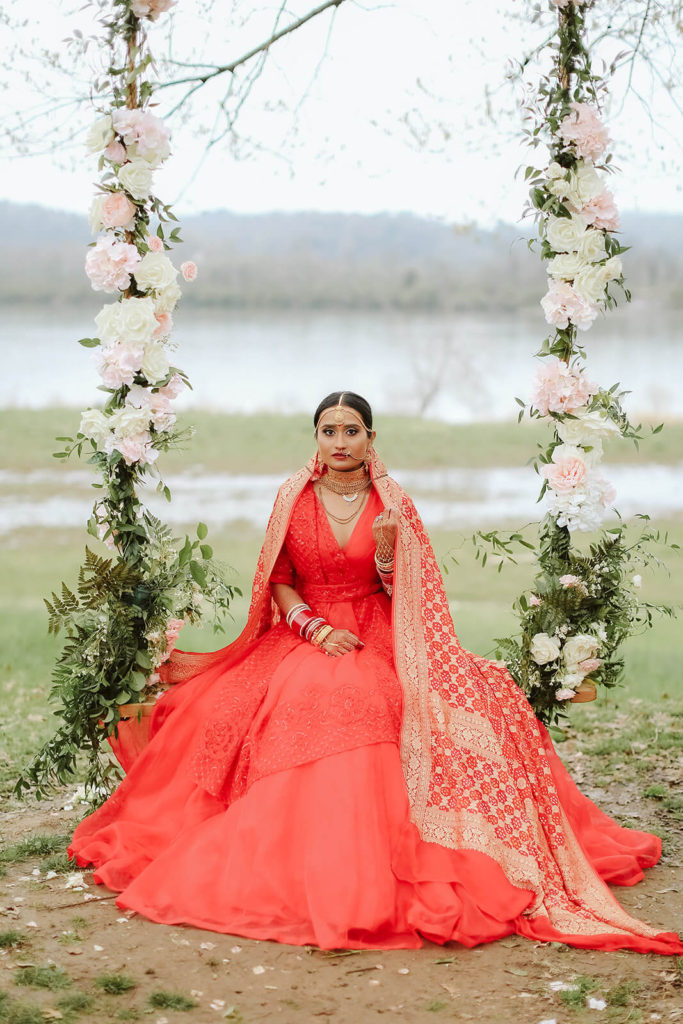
column 261, row 48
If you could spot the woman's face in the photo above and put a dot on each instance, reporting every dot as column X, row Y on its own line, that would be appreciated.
column 342, row 446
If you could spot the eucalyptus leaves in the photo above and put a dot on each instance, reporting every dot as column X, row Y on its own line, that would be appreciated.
column 124, row 618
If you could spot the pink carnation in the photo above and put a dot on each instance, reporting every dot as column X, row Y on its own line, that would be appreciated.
column 147, row 134
column 584, row 129
column 535, row 601
column 109, row 264
column 118, row 211
column 601, row 212
column 115, row 152
column 590, row 665
column 119, row 363
column 189, row 270
column 562, row 306
column 165, row 322
column 565, row 474
column 559, row 388
column 154, row 243
column 570, row 581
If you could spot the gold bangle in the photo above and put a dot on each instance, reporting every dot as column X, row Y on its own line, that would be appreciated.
column 321, row 635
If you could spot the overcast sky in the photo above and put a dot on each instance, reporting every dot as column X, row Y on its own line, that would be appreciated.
column 396, row 116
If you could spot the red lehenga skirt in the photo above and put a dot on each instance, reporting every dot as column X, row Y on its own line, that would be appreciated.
column 270, row 801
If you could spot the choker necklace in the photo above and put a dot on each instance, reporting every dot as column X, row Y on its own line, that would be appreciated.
column 349, row 485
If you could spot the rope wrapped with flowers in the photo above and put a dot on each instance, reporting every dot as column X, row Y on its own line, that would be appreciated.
column 123, row 620
column 583, row 603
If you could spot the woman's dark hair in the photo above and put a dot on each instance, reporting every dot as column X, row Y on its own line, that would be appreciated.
column 350, row 398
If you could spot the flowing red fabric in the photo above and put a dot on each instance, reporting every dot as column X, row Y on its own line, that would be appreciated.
column 402, row 791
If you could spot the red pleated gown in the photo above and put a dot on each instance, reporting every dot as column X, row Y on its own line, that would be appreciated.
column 271, row 803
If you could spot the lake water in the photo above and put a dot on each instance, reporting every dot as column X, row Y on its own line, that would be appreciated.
column 450, row 498
column 460, row 368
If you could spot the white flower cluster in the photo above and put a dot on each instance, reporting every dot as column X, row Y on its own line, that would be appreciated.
column 575, row 658
column 580, row 269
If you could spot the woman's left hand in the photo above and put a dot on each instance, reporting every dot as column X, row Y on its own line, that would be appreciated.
column 384, row 530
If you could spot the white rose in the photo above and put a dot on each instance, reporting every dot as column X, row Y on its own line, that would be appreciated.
column 570, row 679
column 100, row 134
column 587, row 428
column 578, row 648
column 155, row 365
column 559, row 187
column 107, row 323
column 556, row 170
column 566, row 265
column 136, row 321
column 637, row 580
column 96, row 425
column 154, row 272
column 167, row 298
column 591, row 282
column 136, row 178
column 129, row 421
column 95, row 214
column 564, row 234
column 544, row 648
column 613, row 268
column 584, row 184
column 592, row 247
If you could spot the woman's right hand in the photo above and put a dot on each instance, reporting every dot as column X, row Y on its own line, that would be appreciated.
column 340, row 642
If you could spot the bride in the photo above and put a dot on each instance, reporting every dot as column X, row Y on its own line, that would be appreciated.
column 345, row 774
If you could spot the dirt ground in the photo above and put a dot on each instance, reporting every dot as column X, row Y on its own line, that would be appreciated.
column 59, row 917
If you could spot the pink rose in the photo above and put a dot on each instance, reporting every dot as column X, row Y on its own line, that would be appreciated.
column 154, row 243
column 563, row 305
column 585, row 131
column 115, row 152
column 189, row 270
column 535, row 601
column 158, row 404
column 119, row 363
column 570, row 581
column 559, row 388
column 118, row 211
column 109, row 264
column 601, row 212
column 590, row 665
column 165, row 322
column 137, row 448
column 174, row 387
column 565, row 474
column 564, row 693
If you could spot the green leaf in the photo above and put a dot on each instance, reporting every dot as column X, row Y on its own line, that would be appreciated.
column 137, row 681
column 89, row 342
column 143, row 659
column 206, row 550
column 197, row 573
column 202, row 530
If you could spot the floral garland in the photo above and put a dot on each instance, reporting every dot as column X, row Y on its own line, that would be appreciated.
column 124, row 620
column 583, row 603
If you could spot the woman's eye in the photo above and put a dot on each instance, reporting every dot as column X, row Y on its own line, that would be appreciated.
column 352, row 431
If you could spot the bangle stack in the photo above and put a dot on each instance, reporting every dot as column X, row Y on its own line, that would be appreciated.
column 311, row 627
column 385, row 571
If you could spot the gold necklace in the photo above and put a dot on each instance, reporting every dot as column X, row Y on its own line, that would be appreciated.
column 349, row 485
column 342, row 520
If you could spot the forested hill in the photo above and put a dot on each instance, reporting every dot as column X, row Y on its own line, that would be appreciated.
column 319, row 261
